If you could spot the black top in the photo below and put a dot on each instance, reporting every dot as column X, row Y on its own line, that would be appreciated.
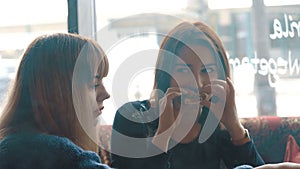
column 136, row 120
column 31, row 150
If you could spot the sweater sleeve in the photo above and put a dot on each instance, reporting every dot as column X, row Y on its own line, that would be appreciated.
column 233, row 156
column 125, row 149
column 76, row 156
column 29, row 149
column 90, row 160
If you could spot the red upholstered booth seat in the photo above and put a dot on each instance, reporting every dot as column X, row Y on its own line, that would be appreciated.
column 269, row 134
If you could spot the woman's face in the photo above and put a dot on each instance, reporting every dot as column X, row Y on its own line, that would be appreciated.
column 98, row 94
column 101, row 94
column 196, row 69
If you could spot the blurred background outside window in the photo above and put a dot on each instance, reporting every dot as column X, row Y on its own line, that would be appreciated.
column 20, row 23
column 261, row 38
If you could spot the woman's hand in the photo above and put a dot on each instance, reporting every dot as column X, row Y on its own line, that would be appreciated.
column 167, row 119
column 177, row 117
column 222, row 104
column 284, row 165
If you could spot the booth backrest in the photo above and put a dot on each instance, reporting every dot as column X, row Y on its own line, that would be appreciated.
column 269, row 134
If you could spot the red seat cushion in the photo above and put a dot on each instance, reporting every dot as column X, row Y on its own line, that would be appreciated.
column 292, row 152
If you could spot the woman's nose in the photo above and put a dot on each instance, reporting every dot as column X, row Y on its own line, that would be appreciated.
column 102, row 94
column 203, row 80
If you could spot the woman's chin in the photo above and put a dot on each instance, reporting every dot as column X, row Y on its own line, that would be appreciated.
column 95, row 122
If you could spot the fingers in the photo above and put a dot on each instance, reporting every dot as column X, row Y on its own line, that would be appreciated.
column 172, row 92
column 218, row 92
column 215, row 92
column 166, row 101
column 218, row 88
column 230, row 85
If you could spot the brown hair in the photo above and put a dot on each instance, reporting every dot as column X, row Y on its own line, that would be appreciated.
column 185, row 34
column 41, row 96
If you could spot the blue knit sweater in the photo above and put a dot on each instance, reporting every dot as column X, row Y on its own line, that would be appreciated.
column 30, row 150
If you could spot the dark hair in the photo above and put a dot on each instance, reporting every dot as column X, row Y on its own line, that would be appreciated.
column 184, row 35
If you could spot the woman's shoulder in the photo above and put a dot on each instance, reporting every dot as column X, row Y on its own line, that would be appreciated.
column 79, row 157
column 30, row 139
column 27, row 147
column 132, row 118
column 132, row 111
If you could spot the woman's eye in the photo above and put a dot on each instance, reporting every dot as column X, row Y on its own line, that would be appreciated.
column 93, row 86
column 207, row 70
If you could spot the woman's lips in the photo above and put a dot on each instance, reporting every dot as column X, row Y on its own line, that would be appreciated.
column 96, row 114
column 99, row 111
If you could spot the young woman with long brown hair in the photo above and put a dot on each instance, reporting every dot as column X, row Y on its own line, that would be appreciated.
column 50, row 114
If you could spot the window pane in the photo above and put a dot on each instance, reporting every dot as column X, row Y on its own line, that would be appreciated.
column 21, row 22
column 129, row 30
column 261, row 39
